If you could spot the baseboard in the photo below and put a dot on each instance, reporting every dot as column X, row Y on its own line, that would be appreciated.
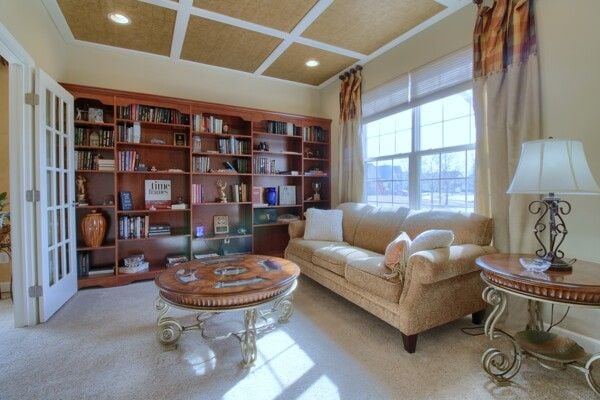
column 4, row 287
column 590, row 344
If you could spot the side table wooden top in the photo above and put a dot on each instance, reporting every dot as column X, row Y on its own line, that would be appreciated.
column 579, row 286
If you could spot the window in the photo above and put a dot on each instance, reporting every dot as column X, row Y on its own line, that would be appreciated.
column 420, row 145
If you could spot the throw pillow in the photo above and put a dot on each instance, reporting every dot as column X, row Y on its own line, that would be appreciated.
column 323, row 225
column 396, row 253
column 431, row 239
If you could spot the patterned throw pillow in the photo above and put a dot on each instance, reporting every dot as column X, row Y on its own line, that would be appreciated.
column 397, row 252
column 323, row 225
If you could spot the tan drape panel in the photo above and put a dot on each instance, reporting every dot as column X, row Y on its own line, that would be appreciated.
column 507, row 108
column 351, row 166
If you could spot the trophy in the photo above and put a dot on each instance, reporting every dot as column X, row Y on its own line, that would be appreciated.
column 81, row 192
column 316, row 186
column 221, row 186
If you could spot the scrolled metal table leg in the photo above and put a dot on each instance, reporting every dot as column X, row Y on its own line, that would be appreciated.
column 248, row 338
column 588, row 373
column 168, row 329
column 161, row 307
column 285, row 308
column 499, row 365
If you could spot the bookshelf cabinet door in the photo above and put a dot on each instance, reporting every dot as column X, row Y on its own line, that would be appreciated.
column 55, row 213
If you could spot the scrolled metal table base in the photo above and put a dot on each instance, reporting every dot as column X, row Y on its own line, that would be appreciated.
column 279, row 309
column 502, row 367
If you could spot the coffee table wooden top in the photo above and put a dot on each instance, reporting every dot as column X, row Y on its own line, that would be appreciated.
column 228, row 281
column 579, row 286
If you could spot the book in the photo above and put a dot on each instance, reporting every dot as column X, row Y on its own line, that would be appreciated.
column 125, row 201
column 287, row 195
column 157, row 194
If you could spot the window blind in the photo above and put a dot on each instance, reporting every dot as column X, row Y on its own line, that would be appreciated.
column 438, row 78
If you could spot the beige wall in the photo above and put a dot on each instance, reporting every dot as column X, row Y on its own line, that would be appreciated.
column 570, row 61
column 157, row 75
column 4, row 172
column 29, row 22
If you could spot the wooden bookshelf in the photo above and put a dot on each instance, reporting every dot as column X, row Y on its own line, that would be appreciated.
column 218, row 133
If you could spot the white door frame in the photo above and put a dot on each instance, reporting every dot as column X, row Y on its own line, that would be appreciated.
column 21, row 148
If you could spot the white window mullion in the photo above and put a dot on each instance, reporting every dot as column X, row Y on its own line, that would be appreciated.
column 414, row 168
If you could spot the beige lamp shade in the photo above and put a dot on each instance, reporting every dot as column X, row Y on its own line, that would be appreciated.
column 553, row 166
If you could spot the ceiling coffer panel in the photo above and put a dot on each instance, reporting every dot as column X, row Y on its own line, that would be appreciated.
column 291, row 65
column 366, row 25
column 279, row 14
column 228, row 46
column 150, row 30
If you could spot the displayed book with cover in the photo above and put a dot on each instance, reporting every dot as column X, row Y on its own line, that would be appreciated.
column 287, row 195
column 157, row 194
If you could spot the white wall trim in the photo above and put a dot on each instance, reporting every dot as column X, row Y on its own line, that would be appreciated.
column 59, row 20
column 181, row 24
column 21, row 66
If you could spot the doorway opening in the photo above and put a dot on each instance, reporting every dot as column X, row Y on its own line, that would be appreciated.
column 5, row 237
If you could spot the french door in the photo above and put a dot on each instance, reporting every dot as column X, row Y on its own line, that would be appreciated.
column 57, row 270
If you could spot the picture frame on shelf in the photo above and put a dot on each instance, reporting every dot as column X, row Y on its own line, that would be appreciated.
column 95, row 115
column 179, row 139
column 221, row 224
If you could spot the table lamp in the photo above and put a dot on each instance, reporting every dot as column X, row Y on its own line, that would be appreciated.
column 550, row 167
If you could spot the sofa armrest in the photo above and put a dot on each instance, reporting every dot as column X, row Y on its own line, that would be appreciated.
column 296, row 229
column 430, row 266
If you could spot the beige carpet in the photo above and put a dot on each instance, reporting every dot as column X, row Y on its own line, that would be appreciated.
column 102, row 345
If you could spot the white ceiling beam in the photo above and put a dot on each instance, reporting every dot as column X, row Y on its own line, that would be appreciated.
column 59, row 20
column 299, row 29
column 331, row 48
column 181, row 24
column 172, row 5
column 251, row 26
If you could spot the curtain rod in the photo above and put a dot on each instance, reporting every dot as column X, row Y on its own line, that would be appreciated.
column 350, row 71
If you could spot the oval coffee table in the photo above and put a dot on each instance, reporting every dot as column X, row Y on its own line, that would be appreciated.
column 260, row 286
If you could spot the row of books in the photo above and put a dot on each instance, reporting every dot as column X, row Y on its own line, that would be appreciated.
column 89, row 160
column 138, row 226
column 201, row 164
column 241, row 165
column 233, row 146
column 239, row 193
column 143, row 113
column 129, row 134
column 129, row 160
column 281, row 128
column 314, row 134
column 85, row 267
column 94, row 137
column 197, row 194
column 207, row 124
column 263, row 165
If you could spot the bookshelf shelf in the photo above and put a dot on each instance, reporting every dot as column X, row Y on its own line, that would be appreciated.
column 153, row 146
column 248, row 130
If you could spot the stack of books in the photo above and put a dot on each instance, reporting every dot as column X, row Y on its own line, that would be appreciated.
column 234, row 146
column 281, row 128
column 314, row 134
column 239, row 193
column 263, row 165
column 159, row 230
column 133, row 227
column 201, row 164
column 105, row 164
column 196, row 194
column 130, row 134
column 128, row 160
column 134, row 264
column 208, row 124
column 174, row 259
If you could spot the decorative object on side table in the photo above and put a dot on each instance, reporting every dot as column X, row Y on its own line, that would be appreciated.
column 221, row 185
column 316, row 186
column 550, row 167
column 93, row 228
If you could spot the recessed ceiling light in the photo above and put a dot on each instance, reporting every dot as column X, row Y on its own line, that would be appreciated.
column 312, row 63
column 119, row 18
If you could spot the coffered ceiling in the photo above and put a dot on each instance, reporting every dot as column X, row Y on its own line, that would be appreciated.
column 270, row 38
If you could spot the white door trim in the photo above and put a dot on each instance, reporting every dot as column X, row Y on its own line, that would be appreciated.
column 21, row 68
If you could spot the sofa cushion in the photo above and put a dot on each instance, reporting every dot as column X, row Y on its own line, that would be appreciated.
column 468, row 228
column 369, row 274
column 431, row 239
column 378, row 227
column 323, row 225
column 353, row 213
column 396, row 253
column 335, row 257
column 304, row 249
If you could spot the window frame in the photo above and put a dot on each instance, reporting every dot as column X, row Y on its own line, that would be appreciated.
column 415, row 155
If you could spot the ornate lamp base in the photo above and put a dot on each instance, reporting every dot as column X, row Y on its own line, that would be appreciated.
column 556, row 229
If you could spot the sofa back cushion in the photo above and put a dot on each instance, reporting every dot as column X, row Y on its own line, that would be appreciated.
column 378, row 227
column 468, row 228
column 353, row 213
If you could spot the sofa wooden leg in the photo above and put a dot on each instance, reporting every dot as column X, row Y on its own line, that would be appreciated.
column 410, row 342
column 478, row 317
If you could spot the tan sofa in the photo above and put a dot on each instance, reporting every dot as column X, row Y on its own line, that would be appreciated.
column 438, row 285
